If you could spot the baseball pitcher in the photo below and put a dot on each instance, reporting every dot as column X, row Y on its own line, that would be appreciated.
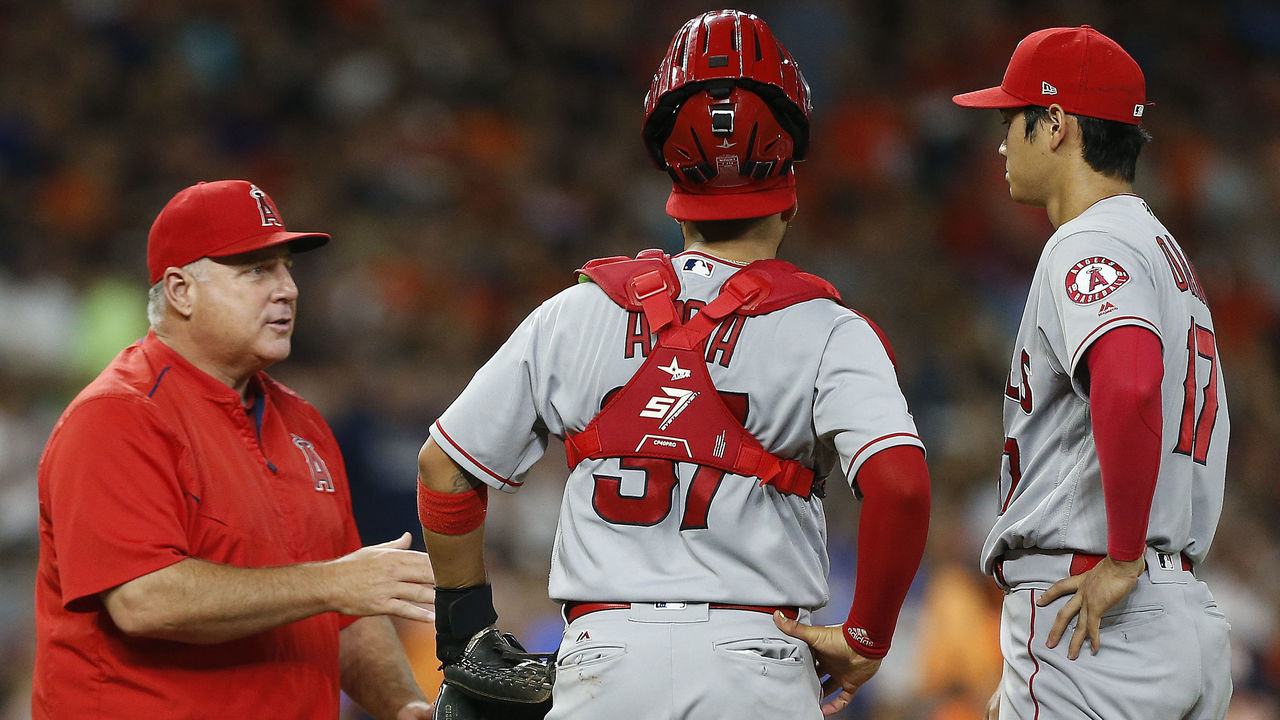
column 1115, row 414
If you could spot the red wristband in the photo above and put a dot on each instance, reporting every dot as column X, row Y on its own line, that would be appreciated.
column 452, row 513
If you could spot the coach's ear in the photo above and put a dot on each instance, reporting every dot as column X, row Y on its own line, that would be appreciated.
column 180, row 290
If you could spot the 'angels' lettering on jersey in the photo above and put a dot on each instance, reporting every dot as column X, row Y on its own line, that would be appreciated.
column 720, row 344
column 1021, row 392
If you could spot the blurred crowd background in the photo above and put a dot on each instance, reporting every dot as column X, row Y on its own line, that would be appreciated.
column 467, row 156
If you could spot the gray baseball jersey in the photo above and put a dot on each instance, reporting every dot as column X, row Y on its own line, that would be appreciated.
column 818, row 386
column 1113, row 265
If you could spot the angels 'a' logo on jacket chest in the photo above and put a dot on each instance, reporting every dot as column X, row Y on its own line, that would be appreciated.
column 315, row 464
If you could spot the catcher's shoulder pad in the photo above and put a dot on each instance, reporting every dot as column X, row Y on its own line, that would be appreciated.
column 614, row 275
column 494, row 666
column 781, row 285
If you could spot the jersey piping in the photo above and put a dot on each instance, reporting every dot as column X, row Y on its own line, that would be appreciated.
column 1111, row 325
column 477, row 463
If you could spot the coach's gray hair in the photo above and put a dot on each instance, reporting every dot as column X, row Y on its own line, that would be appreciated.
column 156, row 301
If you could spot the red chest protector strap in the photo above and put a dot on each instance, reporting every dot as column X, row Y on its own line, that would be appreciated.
column 670, row 409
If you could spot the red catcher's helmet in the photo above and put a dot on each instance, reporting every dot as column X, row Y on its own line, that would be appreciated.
column 726, row 116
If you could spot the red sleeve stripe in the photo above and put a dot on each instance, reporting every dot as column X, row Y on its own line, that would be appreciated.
column 472, row 460
column 854, row 462
column 1126, row 319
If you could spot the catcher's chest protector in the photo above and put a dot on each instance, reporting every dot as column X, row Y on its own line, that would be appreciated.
column 670, row 409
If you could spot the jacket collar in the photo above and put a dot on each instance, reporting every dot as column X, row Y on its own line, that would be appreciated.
column 162, row 356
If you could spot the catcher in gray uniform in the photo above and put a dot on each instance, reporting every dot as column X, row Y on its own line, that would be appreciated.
column 704, row 399
column 1115, row 414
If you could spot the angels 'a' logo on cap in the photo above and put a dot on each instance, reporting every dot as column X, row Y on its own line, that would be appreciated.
column 265, row 208
column 1094, row 278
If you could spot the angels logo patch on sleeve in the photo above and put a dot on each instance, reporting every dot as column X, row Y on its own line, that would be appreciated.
column 1094, row 278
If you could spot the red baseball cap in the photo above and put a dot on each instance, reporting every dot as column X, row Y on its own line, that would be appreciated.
column 1084, row 71
column 217, row 219
column 745, row 201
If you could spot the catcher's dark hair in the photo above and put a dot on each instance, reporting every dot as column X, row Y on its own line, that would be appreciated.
column 1109, row 147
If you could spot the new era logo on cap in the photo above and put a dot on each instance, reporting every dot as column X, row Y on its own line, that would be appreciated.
column 1047, row 89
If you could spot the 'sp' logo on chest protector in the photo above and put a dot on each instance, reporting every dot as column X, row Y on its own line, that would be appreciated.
column 668, row 408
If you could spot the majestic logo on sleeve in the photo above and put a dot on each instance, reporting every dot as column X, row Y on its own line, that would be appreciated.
column 315, row 463
column 1094, row 278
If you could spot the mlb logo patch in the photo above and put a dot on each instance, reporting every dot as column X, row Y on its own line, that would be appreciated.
column 698, row 266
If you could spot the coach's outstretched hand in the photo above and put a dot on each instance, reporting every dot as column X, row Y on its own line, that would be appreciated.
column 384, row 579
column 845, row 670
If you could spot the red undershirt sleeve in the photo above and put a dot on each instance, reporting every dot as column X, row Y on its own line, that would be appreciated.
column 892, row 528
column 1125, row 371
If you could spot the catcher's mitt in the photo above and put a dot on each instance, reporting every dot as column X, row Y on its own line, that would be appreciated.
column 496, row 678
